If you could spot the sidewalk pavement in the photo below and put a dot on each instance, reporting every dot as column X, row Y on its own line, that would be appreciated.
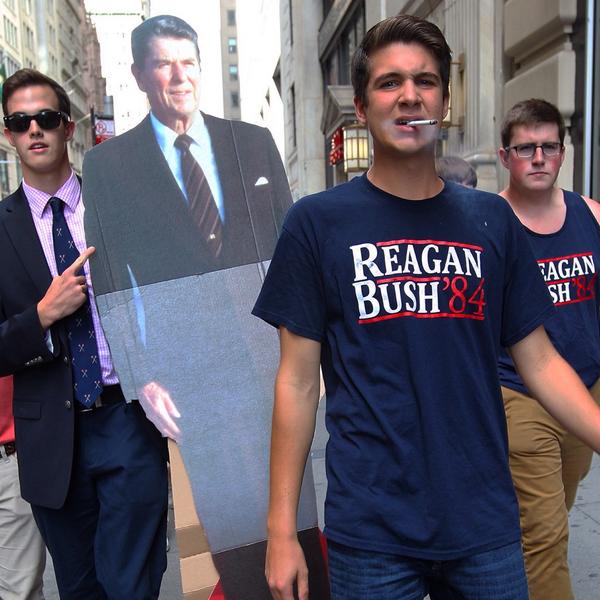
column 584, row 546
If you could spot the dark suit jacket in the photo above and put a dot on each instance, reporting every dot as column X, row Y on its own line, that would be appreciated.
column 43, row 389
column 136, row 215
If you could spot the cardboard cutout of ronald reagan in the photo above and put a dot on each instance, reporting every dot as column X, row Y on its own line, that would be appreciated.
column 184, row 211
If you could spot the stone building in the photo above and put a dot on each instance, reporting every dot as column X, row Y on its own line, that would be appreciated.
column 503, row 51
column 51, row 36
column 114, row 21
column 230, row 60
column 68, row 22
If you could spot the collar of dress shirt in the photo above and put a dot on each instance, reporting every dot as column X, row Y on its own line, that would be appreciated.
column 69, row 192
column 166, row 137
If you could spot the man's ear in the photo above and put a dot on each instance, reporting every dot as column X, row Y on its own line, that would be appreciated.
column 359, row 109
column 69, row 130
column 139, row 79
column 503, row 156
column 9, row 136
column 446, row 105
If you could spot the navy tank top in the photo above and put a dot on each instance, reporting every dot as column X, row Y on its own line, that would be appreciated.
column 569, row 260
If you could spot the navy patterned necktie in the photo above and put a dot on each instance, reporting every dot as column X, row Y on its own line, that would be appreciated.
column 87, row 376
column 200, row 199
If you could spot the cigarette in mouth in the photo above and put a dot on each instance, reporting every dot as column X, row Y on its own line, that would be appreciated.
column 419, row 122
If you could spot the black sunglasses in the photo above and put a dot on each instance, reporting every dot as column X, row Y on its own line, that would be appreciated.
column 46, row 119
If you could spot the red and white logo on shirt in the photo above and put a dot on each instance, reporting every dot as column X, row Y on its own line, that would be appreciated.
column 418, row 278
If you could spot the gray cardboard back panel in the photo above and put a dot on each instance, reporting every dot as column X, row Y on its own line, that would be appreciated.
column 219, row 364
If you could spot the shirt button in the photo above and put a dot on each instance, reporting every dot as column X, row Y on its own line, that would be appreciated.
column 67, row 404
column 65, row 360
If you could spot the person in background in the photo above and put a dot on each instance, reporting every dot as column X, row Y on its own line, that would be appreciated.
column 454, row 168
column 547, row 462
column 22, row 550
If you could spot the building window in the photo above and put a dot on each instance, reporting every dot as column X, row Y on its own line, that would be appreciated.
column 29, row 37
column 10, row 32
column 4, row 185
column 292, row 105
column 53, row 65
column 50, row 5
column 231, row 18
column 26, row 4
column 10, row 4
column 336, row 66
column 10, row 64
column 232, row 45
column 233, row 72
column 235, row 100
column 52, row 36
column 344, row 59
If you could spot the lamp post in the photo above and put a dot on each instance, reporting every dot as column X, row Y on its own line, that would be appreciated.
column 356, row 148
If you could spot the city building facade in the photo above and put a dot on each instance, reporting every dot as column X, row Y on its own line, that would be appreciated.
column 230, row 59
column 54, row 37
column 68, row 22
column 503, row 51
column 113, row 21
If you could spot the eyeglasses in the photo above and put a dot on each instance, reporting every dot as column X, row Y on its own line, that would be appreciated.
column 46, row 119
column 528, row 150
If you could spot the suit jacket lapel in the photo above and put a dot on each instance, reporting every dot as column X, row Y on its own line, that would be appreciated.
column 23, row 235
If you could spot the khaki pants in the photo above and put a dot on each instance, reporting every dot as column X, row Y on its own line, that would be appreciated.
column 547, row 463
column 22, row 551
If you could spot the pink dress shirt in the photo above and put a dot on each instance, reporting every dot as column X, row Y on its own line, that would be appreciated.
column 70, row 194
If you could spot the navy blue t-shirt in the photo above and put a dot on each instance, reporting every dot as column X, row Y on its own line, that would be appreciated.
column 411, row 301
column 569, row 260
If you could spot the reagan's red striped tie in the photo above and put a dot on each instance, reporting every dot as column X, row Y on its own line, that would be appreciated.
column 200, row 199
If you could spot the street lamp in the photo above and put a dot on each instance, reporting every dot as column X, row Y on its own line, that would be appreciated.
column 356, row 148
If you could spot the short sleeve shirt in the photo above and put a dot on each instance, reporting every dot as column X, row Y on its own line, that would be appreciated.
column 411, row 301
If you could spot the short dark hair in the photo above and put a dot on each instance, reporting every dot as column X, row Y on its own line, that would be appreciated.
column 454, row 168
column 531, row 112
column 28, row 77
column 406, row 29
column 160, row 26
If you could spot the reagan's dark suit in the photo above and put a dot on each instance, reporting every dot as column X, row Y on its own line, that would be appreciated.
column 43, row 389
column 130, row 192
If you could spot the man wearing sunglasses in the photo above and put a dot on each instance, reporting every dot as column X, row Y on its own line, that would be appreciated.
column 547, row 462
column 91, row 466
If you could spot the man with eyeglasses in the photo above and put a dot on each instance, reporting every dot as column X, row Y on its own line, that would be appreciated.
column 92, row 466
column 547, row 463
